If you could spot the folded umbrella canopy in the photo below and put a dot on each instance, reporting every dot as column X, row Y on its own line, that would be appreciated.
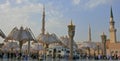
column 2, row 34
column 48, row 38
column 66, row 42
column 12, row 35
column 21, row 35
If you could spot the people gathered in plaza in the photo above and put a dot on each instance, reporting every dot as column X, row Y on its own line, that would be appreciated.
column 17, row 55
column 100, row 57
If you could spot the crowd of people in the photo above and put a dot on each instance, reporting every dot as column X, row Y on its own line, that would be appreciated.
column 100, row 57
column 17, row 55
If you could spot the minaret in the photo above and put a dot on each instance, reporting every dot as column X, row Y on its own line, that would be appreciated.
column 89, row 35
column 112, row 28
column 43, row 21
column 71, row 33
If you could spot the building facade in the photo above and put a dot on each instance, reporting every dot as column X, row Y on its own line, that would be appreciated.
column 113, row 47
column 107, row 46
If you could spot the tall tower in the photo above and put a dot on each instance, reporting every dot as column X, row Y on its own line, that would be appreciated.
column 71, row 33
column 43, row 21
column 112, row 29
column 89, row 35
column 104, row 37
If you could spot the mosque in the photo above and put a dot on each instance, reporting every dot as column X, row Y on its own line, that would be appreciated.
column 107, row 46
column 112, row 45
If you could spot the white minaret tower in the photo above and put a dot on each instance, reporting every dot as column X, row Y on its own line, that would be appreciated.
column 112, row 28
column 43, row 21
column 89, row 35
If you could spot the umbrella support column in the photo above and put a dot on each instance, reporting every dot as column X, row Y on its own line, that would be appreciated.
column 28, row 49
column 20, row 44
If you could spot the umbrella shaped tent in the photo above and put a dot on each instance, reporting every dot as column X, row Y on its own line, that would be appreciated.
column 21, row 35
column 10, row 46
column 88, row 46
column 4, row 48
column 48, row 38
column 65, row 41
column 12, row 34
column 2, row 34
column 25, row 48
column 37, row 46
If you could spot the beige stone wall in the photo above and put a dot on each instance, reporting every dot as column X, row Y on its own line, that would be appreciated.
column 112, row 37
column 114, row 48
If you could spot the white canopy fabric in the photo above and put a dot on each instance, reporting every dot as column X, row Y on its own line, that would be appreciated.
column 20, row 34
column 2, row 34
column 65, row 40
column 48, row 38
column 10, row 45
column 88, row 45
column 12, row 34
column 37, row 46
column 55, row 45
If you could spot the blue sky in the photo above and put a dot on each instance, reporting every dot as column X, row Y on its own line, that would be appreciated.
column 59, row 13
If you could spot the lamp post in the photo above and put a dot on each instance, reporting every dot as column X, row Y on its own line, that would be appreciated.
column 71, row 33
column 103, row 37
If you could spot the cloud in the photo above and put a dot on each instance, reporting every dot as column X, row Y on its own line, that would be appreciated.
column 5, row 5
column 18, row 1
column 55, row 21
column 76, row 2
column 95, row 3
column 11, row 16
column 25, row 15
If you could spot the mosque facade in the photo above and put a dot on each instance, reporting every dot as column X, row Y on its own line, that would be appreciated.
column 113, row 46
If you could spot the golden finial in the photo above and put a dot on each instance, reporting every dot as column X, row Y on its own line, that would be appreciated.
column 71, row 22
